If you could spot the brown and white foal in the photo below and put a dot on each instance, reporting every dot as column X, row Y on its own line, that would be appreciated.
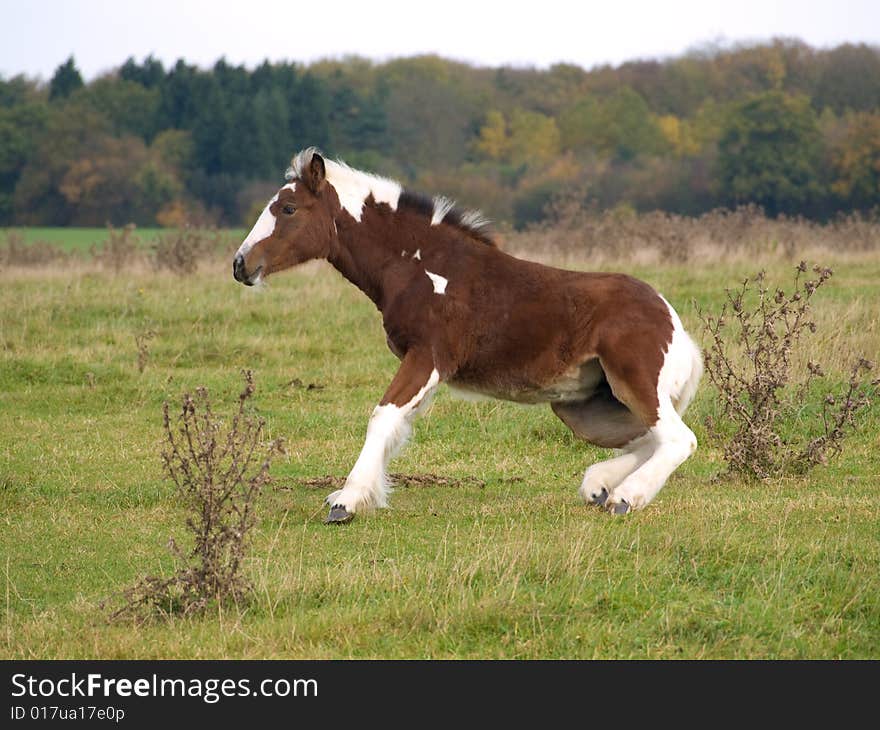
column 606, row 351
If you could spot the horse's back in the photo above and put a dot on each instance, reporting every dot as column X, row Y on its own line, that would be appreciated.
column 534, row 333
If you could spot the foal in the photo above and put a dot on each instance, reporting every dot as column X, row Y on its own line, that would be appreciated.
column 606, row 351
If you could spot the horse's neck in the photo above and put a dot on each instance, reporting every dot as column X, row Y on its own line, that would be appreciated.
column 365, row 256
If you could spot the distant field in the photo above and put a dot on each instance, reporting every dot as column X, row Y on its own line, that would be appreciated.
column 81, row 239
column 500, row 560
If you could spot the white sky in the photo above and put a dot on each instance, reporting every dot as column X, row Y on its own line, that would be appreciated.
column 37, row 35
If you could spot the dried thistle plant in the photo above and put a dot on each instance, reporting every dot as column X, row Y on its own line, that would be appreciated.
column 751, row 369
column 218, row 474
column 839, row 416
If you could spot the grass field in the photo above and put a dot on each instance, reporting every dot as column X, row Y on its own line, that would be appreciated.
column 503, row 561
column 82, row 239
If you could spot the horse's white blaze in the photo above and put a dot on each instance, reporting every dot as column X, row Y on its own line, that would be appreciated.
column 670, row 441
column 442, row 206
column 263, row 227
column 390, row 426
column 438, row 281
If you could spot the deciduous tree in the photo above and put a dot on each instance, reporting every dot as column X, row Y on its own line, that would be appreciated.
column 770, row 152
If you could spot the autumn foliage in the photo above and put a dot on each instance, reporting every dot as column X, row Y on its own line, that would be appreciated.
column 793, row 129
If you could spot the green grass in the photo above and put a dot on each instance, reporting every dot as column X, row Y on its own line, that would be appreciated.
column 82, row 239
column 517, row 568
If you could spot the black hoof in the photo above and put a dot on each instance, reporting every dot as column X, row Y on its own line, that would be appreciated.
column 621, row 508
column 600, row 499
column 338, row 515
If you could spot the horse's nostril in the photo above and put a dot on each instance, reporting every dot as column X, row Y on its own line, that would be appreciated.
column 238, row 268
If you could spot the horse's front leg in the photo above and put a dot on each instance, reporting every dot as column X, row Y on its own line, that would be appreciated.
column 390, row 425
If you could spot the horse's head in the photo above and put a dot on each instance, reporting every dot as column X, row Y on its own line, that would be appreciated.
column 297, row 225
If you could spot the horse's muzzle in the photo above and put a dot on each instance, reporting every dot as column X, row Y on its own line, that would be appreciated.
column 238, row 271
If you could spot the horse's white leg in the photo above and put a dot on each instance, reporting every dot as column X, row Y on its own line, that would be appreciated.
column 605, row 421
column 602, row 478
column 669, row 441
column 367, row 486
column 673, row 442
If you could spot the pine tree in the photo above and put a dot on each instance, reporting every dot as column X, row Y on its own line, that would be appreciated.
column 65, row 81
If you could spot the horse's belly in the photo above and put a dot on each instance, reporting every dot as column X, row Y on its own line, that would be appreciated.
column 576, row 384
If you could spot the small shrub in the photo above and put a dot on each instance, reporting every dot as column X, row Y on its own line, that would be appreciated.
column 182, row 250
column 121, row 249
column 218, row 474
column 752, row 372
column 16, row 252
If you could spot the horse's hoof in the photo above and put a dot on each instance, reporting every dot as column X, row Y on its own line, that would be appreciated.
column 621, row 508
column 338, row 515
column 600, row 499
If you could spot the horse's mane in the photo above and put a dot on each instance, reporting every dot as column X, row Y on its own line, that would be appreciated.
column 437, row 208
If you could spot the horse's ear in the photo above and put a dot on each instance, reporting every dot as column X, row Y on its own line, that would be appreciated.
column 316, row 175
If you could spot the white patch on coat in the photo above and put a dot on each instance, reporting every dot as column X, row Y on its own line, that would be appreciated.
column 390, row 426
column 442, row 206
column 682, row 365
column 352, row 186
column 438, row 281
column 418, row 254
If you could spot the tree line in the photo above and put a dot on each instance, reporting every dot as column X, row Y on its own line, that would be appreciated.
column 791, row 128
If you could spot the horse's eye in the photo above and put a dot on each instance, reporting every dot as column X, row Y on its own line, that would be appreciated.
column 289, row 209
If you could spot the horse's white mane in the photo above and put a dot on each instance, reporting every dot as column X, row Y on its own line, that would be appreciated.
column 354, row 187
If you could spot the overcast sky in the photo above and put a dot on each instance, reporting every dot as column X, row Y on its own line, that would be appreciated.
column 37, row 35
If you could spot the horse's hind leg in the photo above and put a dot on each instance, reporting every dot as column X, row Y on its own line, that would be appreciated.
column 671, row 443
column 658, row 398
column 602, row 478
column 605, row 421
